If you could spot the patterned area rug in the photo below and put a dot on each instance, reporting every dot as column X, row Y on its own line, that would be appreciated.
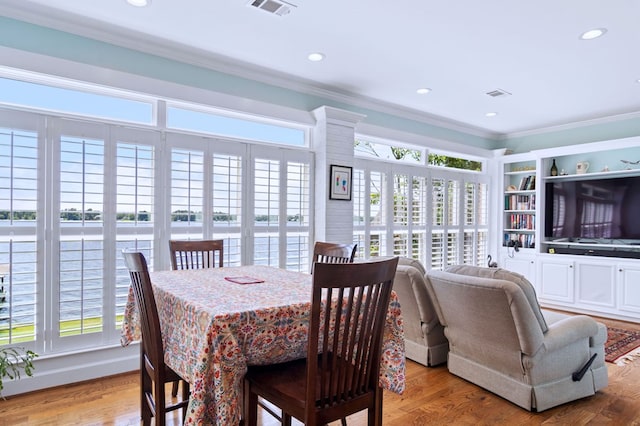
column 622, row 345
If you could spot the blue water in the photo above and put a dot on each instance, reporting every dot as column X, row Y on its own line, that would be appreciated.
column 20, row 289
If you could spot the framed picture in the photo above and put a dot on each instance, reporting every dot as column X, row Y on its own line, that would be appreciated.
column 340, row 183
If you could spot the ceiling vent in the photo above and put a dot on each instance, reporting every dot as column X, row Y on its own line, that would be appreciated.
column 275, row 7
column 498, row 93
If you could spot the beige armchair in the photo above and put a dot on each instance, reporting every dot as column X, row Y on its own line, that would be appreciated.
column 501, row 340
column 424, row 336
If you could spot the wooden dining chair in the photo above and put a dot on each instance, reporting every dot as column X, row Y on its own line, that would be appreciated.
column 196, row 254
column 154, row 372
column 333, row 253
column 340, row 374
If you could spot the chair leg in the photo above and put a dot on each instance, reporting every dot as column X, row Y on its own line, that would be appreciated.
column 174, row 388
column 145, row 386
column 160, row 402
column 185, row 397
column 250, row 406
column 145, row 410
column 375, row 415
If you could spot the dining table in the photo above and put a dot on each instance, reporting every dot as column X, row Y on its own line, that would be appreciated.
column 216, row 322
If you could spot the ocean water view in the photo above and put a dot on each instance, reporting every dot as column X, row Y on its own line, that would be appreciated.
column 81, row 275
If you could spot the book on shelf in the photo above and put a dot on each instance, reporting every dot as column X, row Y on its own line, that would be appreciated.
column 520, row 202
column 524, row 240
column 527, row 183
column 531, row 184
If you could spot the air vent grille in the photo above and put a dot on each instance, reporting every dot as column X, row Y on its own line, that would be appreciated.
column 498, row 93
column 274, row 7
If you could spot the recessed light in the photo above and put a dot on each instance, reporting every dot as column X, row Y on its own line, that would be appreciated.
column 491, row 114
column 595, row 33
column 139, row 3
column 316, row 57
column 423, row 91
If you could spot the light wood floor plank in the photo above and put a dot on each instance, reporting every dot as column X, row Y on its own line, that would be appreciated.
column 433, row 397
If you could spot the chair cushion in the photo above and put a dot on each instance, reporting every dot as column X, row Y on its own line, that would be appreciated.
column 503, row 274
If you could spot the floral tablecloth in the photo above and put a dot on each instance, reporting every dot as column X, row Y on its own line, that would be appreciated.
column 213, row 328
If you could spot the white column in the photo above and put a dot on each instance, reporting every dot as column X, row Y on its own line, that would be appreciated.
column 333, row 139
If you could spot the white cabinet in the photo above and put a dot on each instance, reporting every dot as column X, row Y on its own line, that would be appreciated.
column 522, row 264
column 555, row 280
column 628, row 280
column 595, row 283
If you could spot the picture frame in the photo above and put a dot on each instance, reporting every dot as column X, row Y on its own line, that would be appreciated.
column 340, row 182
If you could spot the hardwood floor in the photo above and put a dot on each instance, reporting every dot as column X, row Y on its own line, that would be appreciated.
column 433, row 397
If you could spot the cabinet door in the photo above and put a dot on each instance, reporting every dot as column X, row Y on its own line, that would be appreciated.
column 522, row 265
column 629, row 288
column 555, row 280
column 595, row 285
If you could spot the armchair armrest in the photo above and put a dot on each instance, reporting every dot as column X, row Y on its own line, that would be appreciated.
column 569, row 330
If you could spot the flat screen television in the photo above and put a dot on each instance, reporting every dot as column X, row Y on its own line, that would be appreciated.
column 600, row 210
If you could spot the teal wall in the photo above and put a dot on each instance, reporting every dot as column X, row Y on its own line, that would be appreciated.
column 584, row 134
column 37, row 39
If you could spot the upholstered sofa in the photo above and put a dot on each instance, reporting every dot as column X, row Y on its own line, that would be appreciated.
column 424, row 336
column 501, row 340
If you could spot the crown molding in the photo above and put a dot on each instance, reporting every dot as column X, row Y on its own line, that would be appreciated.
column 573, row 125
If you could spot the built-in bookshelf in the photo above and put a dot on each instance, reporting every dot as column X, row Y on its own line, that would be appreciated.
column 519, row 212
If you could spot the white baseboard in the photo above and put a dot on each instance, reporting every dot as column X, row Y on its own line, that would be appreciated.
column 75, row 367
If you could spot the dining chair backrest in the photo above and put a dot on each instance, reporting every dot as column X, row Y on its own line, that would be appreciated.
column 348, row 336
column 146, row 302
column 153, row 370
column 196, row 254
column 340, row 375
column 333, row 253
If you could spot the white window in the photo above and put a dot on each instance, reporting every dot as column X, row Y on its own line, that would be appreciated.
column 214, row 122
column 281, row 210
column 53, row 96
column 438, row 216
column 102, row 188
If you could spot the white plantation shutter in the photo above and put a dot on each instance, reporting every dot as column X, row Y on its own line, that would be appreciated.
column 266, row 213
column 187, row 193
column 401, row 199
column 103, row 198
column 453, row 203
column 81, row 250
column 453, row 248
column 19, row 201
column 361, row 206
column 438, row 213
column 419, row 218
column 135, row 211
column 378, row 197
column 475, row 223
column 298, row 208
column 281, row 208
column 227, row 207
column 135, row 185
column 432, row 218
column 378, row 214
column 454, row 208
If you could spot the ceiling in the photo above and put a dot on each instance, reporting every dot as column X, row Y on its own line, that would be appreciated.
column 381, row 52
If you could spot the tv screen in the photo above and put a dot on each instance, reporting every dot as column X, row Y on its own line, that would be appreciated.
column 593, row 209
